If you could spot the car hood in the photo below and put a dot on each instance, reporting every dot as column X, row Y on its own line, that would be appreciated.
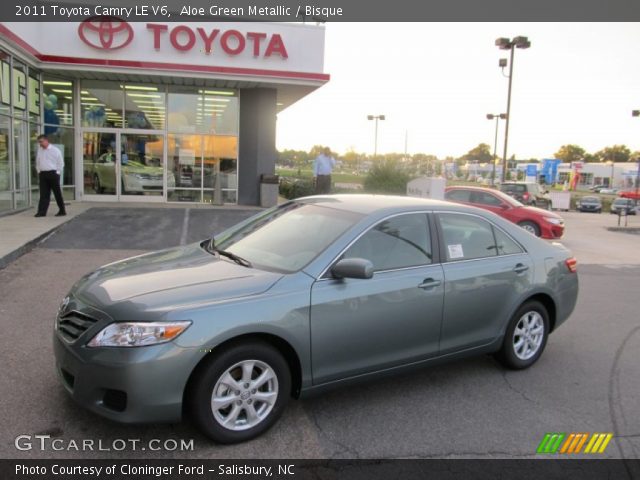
column 170, row 278
column 540, row 211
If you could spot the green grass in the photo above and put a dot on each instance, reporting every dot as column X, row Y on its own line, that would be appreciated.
column 308, row 173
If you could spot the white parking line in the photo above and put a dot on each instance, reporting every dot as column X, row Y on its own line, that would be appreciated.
column 185, row 226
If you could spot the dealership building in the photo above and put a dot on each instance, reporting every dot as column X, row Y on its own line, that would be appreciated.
column 162, row 112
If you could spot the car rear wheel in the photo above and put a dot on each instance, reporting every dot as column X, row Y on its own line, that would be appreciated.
column 530, row 227
column 97, row 187
column 240, row 392
column 526, row 336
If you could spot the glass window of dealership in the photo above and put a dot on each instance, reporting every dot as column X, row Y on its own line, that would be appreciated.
column 120, row 140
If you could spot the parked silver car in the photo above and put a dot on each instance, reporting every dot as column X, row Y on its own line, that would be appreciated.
column 315, row 293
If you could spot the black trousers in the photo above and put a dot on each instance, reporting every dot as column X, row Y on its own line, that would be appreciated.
column 50, row 181
column 323, row 184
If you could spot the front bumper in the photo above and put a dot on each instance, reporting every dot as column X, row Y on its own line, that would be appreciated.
column 129, row 385
column 551, row 231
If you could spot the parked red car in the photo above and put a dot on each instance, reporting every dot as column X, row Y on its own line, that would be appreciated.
column 632, row 194
column 542, row 223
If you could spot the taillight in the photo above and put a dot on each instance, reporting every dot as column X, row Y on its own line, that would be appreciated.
column 525, row 196
column 572, row 264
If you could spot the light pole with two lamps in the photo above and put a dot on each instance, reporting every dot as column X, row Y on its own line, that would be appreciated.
column 509, row 44
column 497, row 117
column 375, row 144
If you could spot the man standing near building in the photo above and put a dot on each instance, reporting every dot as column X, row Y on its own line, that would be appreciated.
column 50, row 165
column 322, row 168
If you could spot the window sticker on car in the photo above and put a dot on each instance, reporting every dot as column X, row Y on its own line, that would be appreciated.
column 455, row 251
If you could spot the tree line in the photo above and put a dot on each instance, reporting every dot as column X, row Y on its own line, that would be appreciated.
column 481, row 153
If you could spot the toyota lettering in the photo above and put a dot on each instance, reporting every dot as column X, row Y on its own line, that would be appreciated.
column 232, row 42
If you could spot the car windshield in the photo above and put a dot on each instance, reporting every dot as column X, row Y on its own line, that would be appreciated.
column 288, row 237
column 621, row 201
column 590, row 200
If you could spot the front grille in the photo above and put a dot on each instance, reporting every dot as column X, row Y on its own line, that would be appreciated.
column 72, row 325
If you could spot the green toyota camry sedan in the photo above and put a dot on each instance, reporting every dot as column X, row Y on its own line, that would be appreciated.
column 318, row 292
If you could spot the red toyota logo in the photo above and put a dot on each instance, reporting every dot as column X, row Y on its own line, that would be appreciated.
column 105, row 32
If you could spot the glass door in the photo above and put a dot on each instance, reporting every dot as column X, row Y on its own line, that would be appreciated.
column 124, row 166
column 100, row 159
column 142, row 166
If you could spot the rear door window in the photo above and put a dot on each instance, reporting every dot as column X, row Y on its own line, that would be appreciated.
column 467, row 237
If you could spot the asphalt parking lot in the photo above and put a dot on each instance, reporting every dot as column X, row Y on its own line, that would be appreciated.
column 588, row 379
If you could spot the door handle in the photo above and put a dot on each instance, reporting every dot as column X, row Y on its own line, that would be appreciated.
column 520, row 268
column 429, row 283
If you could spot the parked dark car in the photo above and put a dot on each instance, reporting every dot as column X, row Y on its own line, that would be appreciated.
column 622, row 205
column 531, row 194
column 318, row 292
column 589, row 204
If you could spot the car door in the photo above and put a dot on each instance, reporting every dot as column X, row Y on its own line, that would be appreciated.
column 488, row 201
column 485, row 273
column 364, row 325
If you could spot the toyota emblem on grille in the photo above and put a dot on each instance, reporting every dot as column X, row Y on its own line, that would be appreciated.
column 105, row 32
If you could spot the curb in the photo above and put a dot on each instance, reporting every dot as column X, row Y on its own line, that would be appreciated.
column 27, row 247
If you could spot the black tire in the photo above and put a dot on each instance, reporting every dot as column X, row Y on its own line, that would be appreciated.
column 97, row 187
column 507, row 355
column 208, row 373
column 530, row 227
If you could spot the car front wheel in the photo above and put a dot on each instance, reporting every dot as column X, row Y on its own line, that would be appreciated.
column 530, row 227
column 240, row 392
column 526, row 336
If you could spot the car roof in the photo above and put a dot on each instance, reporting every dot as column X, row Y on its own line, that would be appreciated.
column 369, row 203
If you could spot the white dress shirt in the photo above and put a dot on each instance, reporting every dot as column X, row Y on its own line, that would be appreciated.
column 323, row 165
column 49, row 158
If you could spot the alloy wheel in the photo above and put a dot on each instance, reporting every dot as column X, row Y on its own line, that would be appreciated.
column 528, row 335
column 244, row 395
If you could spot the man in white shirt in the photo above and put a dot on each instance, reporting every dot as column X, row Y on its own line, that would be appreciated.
column 50, row 165
column 322, row 168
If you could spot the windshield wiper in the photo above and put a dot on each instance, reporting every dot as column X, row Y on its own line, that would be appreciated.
column 211, row 248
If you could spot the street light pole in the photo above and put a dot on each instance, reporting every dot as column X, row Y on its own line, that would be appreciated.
column 507, row 44
column 375, row 144
column 497, row 116
column 506, row 124
column 636, row 113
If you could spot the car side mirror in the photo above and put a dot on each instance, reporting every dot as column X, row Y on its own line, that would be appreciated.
column 352, row 268
column 504, row 206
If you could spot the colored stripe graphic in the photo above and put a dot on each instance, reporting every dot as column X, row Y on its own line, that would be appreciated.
column 598, row 443
column 551, row 442
column 573, row 443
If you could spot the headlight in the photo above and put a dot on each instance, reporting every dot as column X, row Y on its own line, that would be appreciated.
column 137, row 334
column 555, row 221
